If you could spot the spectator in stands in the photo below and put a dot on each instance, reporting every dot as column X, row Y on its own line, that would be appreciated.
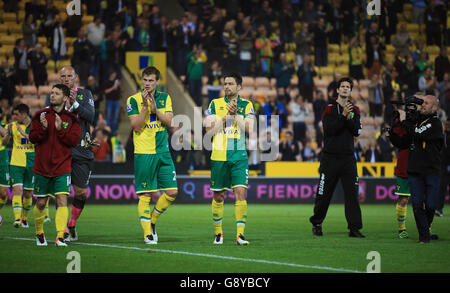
column 427, row 83
column 320, row 41
column 336, row 19
column 306, row 74
column 289, row 149
column 102, row 153
column 419, row 7
column 82, row 57
column 373, row 152
column 196, row 59
column 309, row 13
column 21, row 62
column 30, row 31
column 246, row 40
column 231, row 42
column 35, row 9
column 298, row 111
column 111, row 89
column 423, row 63
column 375, row 52
column 384, row 145
column 285, row 20
column 58, row 42
column 49, row 19
column 38, row 62
column 142, row 35
column 160, row 35
column 400, row 63
column 7, row 83
column 410, row 77
column 419, row 49
column 376, row 97
column 441, row 65
column 303, row 41
column 308, row 153
column 214, row 83
column 355, row 52
column 352, row 19
column 388, row 19
column 318, row 106
column 73, row 24
column 264, row 16
column 434, row 18
column 95, row 33
column 444, row 93
column 275, row 107
column 402, row 40
column 265, row 52
column 10, row 5
column 283, row 72
column 96, row 95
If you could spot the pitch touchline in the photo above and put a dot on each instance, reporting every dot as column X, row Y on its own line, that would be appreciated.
column 203, row 255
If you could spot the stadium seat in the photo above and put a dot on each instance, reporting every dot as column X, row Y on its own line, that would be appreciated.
column 433, row 50
column 10, row 17
column 8, row 40
column 334, row 48
column 327, row 71
column 262, row 83
column 248, row 82
column 15, row 29
column 333, row 58
column 245, row 94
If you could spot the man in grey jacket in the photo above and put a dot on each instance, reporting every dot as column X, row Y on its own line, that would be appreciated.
column 81, row 103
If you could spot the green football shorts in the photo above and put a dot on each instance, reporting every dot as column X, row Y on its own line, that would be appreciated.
column 4, row 176
column 22, row 176
column 402, row 187
column 154, row 172
column 51, row 186
column 225, row 174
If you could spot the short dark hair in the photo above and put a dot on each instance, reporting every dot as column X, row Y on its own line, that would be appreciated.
column 152, row 70
column 346, row 79
column 65, row 89
column 236, row 75
column 22, row 108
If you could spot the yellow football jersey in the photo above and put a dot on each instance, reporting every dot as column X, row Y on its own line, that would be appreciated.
column 152, row 138
column 23, row 150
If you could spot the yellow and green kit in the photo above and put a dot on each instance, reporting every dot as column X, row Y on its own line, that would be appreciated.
column 153, row 166
column 229, row 160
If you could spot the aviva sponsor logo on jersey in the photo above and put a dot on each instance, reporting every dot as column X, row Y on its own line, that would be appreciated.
column 231, row 132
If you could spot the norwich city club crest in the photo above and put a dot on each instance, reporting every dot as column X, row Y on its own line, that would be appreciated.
column 65, row 124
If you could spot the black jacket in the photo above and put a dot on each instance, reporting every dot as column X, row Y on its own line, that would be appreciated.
column 427, row 143
column 339, row 132
column 85, row 113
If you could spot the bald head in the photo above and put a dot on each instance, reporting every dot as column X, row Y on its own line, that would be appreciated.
column 67, row 76
column 430, row 105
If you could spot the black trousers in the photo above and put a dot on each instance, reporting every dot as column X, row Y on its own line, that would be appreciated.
column 332, row 168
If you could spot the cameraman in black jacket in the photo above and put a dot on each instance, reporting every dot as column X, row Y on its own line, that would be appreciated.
column 424, row 163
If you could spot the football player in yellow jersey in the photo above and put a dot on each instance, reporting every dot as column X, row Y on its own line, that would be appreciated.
column 230, row 119
column 21, row 164
column 150, row 112
column 4, row 171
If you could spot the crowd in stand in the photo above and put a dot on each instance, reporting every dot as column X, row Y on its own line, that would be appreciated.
column 282, row 40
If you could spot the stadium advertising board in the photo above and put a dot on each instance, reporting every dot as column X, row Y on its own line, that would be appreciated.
column 119, row 189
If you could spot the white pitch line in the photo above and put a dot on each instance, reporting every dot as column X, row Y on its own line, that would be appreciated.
column 203, row 255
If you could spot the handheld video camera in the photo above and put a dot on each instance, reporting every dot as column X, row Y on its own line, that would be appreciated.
column 410, row 107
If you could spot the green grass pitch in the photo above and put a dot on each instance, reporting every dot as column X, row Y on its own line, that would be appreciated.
column 111, row 240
